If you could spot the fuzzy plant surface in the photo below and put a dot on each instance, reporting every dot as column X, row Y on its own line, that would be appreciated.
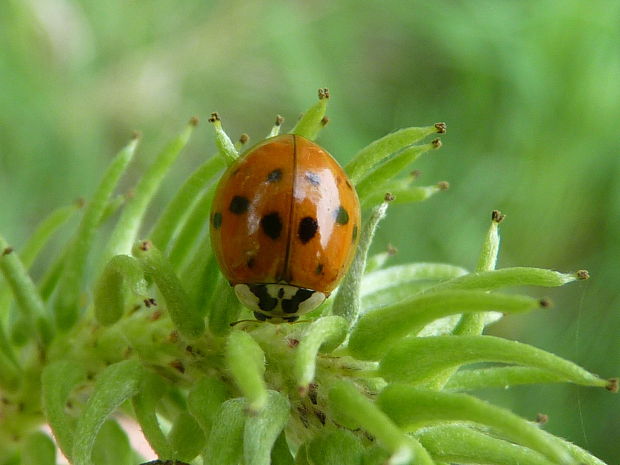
column 146, row 327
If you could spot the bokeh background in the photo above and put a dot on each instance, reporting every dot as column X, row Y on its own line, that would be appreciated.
column 530, row 90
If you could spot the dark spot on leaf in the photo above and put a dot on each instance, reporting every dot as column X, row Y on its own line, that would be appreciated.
column 217, row 220
column 342, row 216
column 272, row 225
column 239, row 205
column 308, row 227
column 275, row 175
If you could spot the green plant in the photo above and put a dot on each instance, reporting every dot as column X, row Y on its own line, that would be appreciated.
column 378, row 374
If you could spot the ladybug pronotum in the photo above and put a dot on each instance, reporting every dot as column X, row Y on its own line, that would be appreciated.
column 285, row 223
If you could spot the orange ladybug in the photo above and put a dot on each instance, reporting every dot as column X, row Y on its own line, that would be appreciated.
column 285, row 222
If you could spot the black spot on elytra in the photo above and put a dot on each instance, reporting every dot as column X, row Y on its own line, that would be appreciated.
column 217, row 220
column 265, row 301
column 292, row 305
column 281, row 293
column 275, row 175
column 308, row 227
column 319, row 269
column 349, row 185
column 313, row 178
column 260, row 316
column 354, row 233
column 272, row 225
column 239, row 205
column 342, row 215
column 290, row 319
column 251, row 262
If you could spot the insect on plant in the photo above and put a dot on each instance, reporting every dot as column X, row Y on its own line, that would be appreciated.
column 142, row 326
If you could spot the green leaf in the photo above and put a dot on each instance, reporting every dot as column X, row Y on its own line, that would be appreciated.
column 459, row 444
column 490, row 245
column 327, row 332
column 204, row 400
column 126, row 230
column 262, row 430
column 38, row 449
column 121, row 279
column 353, row 410
column 246, row 362
column 415, row 360
column 115, row 385
column 70, row 284
column 403, row 192
column 223, row 307
column 375, row 455
column 191, row 229
column 10, row 372
column 509, row 277
column 335, row 447
column 49, row 281
column 168, row 222
column 201, row 277
column 395, row 276
column 376, row 261
column 112, row 446
column 26, row 295
column 312, row 121
column 57, row 382
column 225, row 443
column 226, row 149
column 184, row 316
column 472, row 324
column 413, row 409
column 379, row 329
column 145, row 404
column 281, row 453
column 392, row 166
column 301, row 457
column 500, row 377
column 347, row 303
column 577, row 453
column 186, row 437
column 367, row 159
column 113, row 205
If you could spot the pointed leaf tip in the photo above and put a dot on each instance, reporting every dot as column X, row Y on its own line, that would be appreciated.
column 497, row 216
column 582, row 275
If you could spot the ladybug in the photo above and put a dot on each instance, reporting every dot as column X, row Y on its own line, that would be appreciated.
column 285, row 222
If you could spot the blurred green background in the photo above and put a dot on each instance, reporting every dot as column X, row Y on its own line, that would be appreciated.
column 530, row 91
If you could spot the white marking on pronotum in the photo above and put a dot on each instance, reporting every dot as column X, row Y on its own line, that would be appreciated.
column 279, row 292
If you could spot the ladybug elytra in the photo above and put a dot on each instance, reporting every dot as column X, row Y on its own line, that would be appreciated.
column 285, row 223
